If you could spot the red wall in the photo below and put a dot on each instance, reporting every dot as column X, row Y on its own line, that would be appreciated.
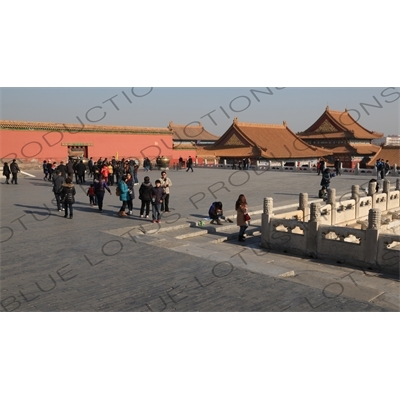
column 31, row 146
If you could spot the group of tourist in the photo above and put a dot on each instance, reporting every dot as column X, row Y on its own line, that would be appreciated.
column 243, row 164
column 382, row 168
column 13, row 170
column 105, row 173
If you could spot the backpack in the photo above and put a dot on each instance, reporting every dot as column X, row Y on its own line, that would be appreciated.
column 118, row 191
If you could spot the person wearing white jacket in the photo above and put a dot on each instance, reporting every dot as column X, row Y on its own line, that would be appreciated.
column 166, row 184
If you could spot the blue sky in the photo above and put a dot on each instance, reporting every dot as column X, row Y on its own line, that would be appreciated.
column 300, row 107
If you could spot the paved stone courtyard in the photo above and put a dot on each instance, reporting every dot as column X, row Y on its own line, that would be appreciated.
column 99, row 262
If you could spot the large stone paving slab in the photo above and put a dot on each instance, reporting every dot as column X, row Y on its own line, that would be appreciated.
column 52, row 264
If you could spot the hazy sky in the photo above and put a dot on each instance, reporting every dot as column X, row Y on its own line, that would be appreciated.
column 300, row 107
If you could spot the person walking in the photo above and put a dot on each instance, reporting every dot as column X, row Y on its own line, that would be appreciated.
column 104, row 172
column 131, row 193
column 68, row 197
column 145, row 197
column 189, row 164
column 50, row 170
column 14, row 168
column 71, row 169
column 242, row 216
column 387, row 167
column 45, row 170
column 166, row 184
column 337, row 167
column 157, row 198
column 57, row 189
column 6, row 172
column 321, row 166
column 90, row 166
column 123, row 195
column 80, row 170
column 100, row 186
column 111, row 173
column 92, row 195
column 63, row 169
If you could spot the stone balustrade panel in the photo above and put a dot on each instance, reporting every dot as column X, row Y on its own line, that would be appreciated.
column 326, row 214
column 340, row 243
column 345, row 211
column 394, row 199
column 388, row 254
column 288, row 234
column 365, row 203
column 380, row 201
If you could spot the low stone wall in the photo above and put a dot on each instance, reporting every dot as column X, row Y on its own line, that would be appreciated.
column 376, row 245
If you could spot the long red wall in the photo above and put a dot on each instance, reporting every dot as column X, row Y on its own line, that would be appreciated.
column 31, row 146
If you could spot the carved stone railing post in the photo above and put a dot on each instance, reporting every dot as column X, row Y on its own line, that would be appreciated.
column 355, row 195
column 372, row 192
column 303, row 205
column 386, row 186
column 372, row 235
column 397, row 184
column 332, row 201
column 386, row 189
column 357, row 169
column 312, row 229
column 266, row 221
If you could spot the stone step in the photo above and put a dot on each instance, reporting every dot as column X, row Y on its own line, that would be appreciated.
column 224, row 236
column 189, row 233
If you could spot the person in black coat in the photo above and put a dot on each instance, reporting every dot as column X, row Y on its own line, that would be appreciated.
column 189, row 164
column 49, row 170
column 80, row 170
column 68, row 197
column 14, row 170
column 145, row 196
column 6, row 172
column 70, row 169
column 57, row 189
column 63, row 169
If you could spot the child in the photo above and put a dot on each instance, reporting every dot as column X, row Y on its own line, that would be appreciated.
column 92, row 195
column 157, row 198
column 145, row 196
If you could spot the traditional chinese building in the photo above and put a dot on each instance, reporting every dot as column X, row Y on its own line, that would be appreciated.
column 340, row 133
column 261, row 142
